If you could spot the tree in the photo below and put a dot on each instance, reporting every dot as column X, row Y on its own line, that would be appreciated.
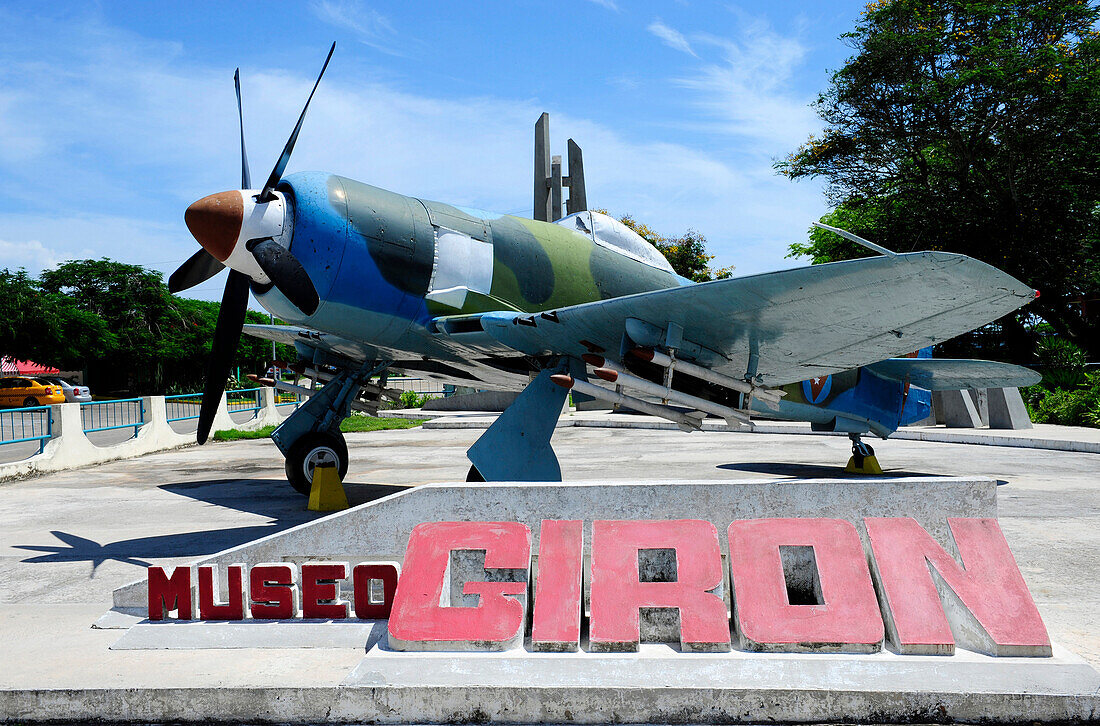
column 971, row 126
column 687, row 253
column 117, row 322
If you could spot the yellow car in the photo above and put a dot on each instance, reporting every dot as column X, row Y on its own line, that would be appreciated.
column 24, row 391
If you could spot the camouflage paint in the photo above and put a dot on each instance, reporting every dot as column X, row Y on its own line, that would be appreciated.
column 370, row 254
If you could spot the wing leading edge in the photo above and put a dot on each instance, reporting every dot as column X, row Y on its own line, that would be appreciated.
column 786, row 326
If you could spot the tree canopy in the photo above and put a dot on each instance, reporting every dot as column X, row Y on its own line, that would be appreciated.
column 118, row 323
column 971, row 126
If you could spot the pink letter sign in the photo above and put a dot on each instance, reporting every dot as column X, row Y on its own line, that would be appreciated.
column 666, row 575
column 930, row 600
column 448, row 600
column 826, row 556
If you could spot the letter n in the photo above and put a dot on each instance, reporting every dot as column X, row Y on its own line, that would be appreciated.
column 930, row 600
column 170, row 593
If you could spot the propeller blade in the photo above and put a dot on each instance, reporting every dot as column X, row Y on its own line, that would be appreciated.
column 286, row 272
column 227, row 335
column 280, row 166
column 199, row 268
column 246, row 178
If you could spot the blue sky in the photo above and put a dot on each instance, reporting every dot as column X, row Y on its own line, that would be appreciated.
column 114, row 117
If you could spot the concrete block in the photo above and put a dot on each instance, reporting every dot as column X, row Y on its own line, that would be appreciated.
column 959, row 411
column 981, row 403
column 380, row 530
column 480, row 401
column 1007, row 409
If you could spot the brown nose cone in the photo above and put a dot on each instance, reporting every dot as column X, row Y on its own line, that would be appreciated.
column 215, row 221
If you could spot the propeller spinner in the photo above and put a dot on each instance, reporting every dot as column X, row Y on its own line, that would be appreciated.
column 248, row 231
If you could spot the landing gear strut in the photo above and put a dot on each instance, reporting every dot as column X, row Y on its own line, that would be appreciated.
column 863, row 459
column 311, row 435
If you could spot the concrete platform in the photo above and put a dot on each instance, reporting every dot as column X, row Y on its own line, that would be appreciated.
column 67, row 540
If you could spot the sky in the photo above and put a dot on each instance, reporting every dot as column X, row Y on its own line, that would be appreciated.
column 114, row 117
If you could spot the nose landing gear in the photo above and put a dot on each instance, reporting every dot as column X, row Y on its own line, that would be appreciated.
column 863, row 459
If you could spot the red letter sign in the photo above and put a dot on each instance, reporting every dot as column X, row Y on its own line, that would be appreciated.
column 928, row 595
column 209, row 608
column 642, row 570
column 556, row 621
column 443, row 567
column 833, row 571
column 321, row 590
column 169, row 593
column 362, row 575
column 273, row 591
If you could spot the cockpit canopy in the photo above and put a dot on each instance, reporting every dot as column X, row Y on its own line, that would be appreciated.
column 616, row 236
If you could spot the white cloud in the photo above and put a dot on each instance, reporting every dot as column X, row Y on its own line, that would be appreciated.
column 671, row 37
column 609, row 4
column 32, row 254
column 122, row 134
column 368, row 25
column 749, row 90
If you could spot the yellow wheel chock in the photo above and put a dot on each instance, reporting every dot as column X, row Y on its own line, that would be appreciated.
column 327, row 491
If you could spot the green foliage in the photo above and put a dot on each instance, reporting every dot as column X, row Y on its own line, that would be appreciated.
column 408, row 399
column 970, row 126
column 1079, row 406
column 1068, row 395
column 1062, row 363
column 118, row 323
column 687, row 253
column 352, row 424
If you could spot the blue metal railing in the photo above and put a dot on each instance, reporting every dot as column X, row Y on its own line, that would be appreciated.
column 243, row 399
column 285, row 398
column 19, row 425
column 182, row 406
column 110, row 415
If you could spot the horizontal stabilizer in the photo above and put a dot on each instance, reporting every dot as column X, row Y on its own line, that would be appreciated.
column 948, row 374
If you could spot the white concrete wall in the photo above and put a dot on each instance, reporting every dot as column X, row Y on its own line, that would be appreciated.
column 70, row 448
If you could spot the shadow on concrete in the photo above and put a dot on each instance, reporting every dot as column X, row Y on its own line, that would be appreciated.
column 812, row 471
column 74, row 548
column 273, row 498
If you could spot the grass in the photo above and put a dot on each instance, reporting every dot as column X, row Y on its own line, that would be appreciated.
column 350, row 425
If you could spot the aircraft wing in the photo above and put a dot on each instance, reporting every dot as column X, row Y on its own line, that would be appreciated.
column 946, row 374
column 783, row 326
column 297, row 335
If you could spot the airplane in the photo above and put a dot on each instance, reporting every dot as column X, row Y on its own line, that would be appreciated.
column 370, row 281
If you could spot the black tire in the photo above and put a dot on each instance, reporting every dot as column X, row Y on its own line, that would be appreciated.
column 310, row 450
column 474, row 475
column 29, row 401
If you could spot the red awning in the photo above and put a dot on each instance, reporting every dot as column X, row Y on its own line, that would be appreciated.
column 12, row 367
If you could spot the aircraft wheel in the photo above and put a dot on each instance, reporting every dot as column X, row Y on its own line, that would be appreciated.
column 311, row 450
column 474, row 475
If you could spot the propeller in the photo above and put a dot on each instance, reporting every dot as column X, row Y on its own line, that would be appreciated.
column 213, row 220
column 286, row 272
column 280, row 165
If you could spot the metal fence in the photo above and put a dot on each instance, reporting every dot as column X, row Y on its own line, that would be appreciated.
column 182, row 406
column 19, row 425
column 286, row 398
column 110, row 415
column 243, row 399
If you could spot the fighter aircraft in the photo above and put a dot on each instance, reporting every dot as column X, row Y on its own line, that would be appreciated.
column 371, row 281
